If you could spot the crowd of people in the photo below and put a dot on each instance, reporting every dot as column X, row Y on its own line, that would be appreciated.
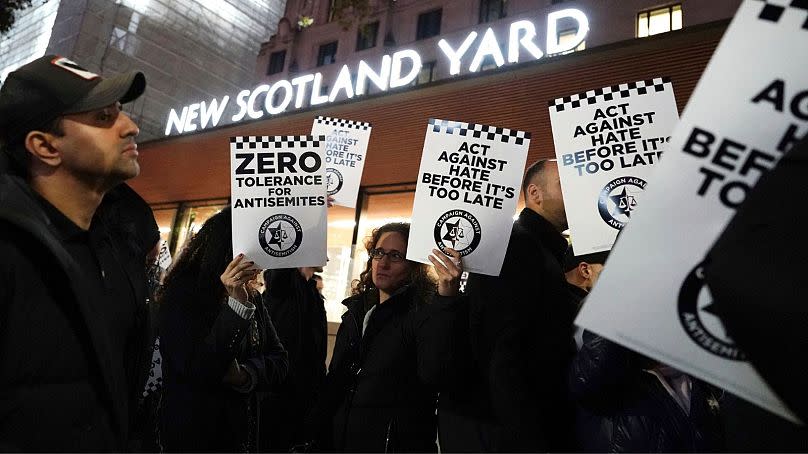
column 417, row 366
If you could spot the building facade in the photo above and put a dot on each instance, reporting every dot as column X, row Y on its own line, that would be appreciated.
column 188, row 49
column 186, row 176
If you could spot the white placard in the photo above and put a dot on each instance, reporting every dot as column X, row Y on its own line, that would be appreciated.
column 468, row 187
column 607, row 141
column 749, row 107
column 278, row 192
column 346, row 143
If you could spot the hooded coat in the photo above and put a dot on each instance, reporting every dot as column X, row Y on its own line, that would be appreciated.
column 62, row 388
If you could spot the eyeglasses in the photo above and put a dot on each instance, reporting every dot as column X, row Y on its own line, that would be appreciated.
column 394, row 256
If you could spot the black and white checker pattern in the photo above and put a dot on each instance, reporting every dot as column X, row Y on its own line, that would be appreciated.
column 252, row 142
column 155, row 381
column 479, row 131
column 586, row 98
column 773, row 11
column 320, row 120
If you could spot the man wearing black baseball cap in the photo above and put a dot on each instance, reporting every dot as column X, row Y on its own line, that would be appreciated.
column 69, row 301
column 582, row 272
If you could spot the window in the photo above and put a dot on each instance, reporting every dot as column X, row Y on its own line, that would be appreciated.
column 276, row 62
column 327, row 54
column 426, row 74
column 366, row 36
column 566, row 36
column 659, row 21
column 190, row 219
column 332, row 9
column 491, row 10
column 429, row 24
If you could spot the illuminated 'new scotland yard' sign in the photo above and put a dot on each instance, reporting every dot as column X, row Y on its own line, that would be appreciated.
column 280, row 96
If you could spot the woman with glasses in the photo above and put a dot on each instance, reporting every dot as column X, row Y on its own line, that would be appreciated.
column 381, row 390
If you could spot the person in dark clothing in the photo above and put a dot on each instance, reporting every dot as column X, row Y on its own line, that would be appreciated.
column 762, row 306
column 298, row 313
column 72, row 296
column 379, row 394
column 630, row 403
column 135, row 230
column 520, row 336
column 758, row 288
column 219, row 347
column 581, row 273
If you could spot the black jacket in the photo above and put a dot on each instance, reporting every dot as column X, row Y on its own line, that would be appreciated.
column 298, row 313
column 198, row 343
column 756, row 277
column 59, row 390
column 623, row 408
column 520, row 335
column 380, row 395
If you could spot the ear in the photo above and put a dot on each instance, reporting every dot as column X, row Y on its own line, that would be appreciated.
column 584, row 270
column 40, row 145
column 535, row 194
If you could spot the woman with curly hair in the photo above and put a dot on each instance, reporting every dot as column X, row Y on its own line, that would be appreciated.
column 380, row 391
column 218, row 346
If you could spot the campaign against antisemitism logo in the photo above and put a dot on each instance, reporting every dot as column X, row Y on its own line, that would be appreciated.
column 607, row 142
column 699, row 320
column 467, row 191
column 458, row 230
column 280, row 235
column 618, row 199
column 333, row 180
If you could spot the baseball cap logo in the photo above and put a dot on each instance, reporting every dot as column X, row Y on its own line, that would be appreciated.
column 74, row 68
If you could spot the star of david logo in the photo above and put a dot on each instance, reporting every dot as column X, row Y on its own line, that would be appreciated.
column 624, row 203
column 454, row 233
column 276, row 235
column 710, row 309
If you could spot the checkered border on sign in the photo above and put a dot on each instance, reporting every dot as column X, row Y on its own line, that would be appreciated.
column 342, row 123
column 252, row 142
column 773, row 13
column 479, row 131
column 586, row 98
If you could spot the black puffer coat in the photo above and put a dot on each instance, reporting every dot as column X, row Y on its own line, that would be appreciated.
column 379, row 394
column 623, row 408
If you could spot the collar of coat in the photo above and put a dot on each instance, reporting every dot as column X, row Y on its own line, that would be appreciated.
column 359, row 304
column 544, row 232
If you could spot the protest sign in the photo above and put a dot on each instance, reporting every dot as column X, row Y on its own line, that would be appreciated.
column 468, row 187
column 651, row 296
column 346, row 143
column 607, row 142
column 279, row 200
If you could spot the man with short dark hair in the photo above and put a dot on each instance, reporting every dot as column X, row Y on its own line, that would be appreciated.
column 72, row 311
column 520, row 335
